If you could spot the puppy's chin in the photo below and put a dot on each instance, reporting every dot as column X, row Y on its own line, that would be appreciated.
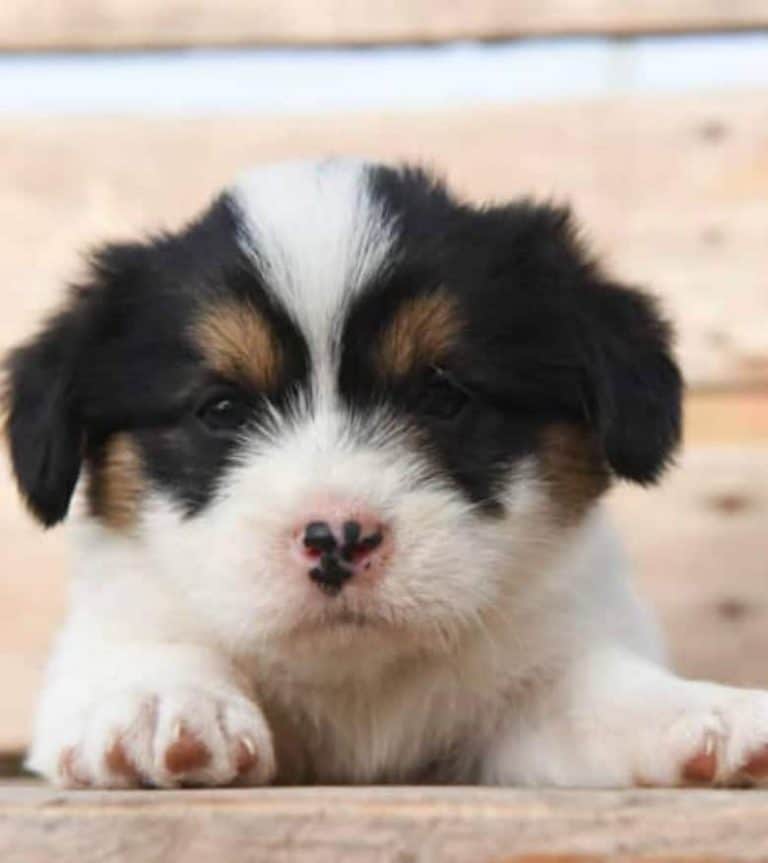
column 339, row 620
column 370, row 630
column 347, row 645
column 340, row 627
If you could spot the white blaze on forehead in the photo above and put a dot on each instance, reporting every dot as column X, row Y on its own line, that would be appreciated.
column 317, row 236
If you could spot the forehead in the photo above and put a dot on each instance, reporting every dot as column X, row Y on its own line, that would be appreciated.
column 317, row 233
column 357, row 263
column 289, row 270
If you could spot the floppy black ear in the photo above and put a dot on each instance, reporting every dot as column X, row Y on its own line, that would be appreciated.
column 42, row 422
column 46, row 379
column 606, row 346
column 635, row 385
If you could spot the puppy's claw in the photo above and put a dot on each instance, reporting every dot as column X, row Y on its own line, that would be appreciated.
column 245, row 756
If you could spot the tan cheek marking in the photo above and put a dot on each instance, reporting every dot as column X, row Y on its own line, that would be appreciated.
column 238, row 343
column 423, row 330
column 186, row 753
column 572, row 468
column 116, row 483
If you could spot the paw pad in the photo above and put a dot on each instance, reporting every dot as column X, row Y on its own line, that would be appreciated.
column 70, row 772
column 187, row 752
column 756, row 766
column 118, row 762
column 701, row 769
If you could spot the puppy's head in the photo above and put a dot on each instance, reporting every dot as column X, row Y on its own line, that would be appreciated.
column 343, row 401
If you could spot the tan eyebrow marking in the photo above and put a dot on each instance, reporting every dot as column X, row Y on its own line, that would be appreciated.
column 237, row 341
column 423, row 331
column 116, row 484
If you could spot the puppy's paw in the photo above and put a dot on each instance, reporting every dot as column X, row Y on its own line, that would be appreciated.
column 180, row 737
column 720, row 743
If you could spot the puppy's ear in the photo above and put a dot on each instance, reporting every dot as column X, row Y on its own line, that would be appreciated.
column 43, row 380
column 634, row 386
column 611, row 340
column 43, row 428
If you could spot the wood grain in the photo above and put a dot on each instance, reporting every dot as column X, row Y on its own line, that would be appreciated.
column 382, row 825
column 672, row 192
column 145, row 23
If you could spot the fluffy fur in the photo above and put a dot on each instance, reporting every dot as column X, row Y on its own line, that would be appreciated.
column 332, row 341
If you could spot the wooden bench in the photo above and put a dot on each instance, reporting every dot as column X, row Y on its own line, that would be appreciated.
column 382, row 825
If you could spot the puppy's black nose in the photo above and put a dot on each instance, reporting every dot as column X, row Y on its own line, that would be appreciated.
column 318, row 536
column 331, row 574
column 356, row 545
column 336, row 552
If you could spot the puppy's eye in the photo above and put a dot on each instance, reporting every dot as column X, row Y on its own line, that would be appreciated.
column 224, row 413
column 442, row 397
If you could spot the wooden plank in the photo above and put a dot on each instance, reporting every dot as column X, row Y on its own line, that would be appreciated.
column 712, row 509
column 382, row 825
column 736, row 418
column 144, row 23
column 32, row 599
column 672, row 191
column 699, row 548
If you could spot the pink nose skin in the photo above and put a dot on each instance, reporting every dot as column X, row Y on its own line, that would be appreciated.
column 338, row 550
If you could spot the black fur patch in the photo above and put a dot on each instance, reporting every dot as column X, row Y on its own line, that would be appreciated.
column 547, row 339
column 120, row 357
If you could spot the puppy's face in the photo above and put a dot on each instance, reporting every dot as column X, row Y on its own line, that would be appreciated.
column 342, row 402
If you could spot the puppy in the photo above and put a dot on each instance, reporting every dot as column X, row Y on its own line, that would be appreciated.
column 342, row 442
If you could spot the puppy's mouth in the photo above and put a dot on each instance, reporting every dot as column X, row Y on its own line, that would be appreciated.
column 348, row 618
column 337, row 615
column 338, row 611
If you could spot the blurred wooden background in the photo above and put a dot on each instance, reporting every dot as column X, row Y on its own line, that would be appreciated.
column 98, row 24
column 671, row 189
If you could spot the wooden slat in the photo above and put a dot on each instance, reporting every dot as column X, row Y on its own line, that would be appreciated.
column 145, row 23
column 700, row 550
column 727, row 418
column 673, row 193
column 32, row 598
column 383, row 825
column 698, row 544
